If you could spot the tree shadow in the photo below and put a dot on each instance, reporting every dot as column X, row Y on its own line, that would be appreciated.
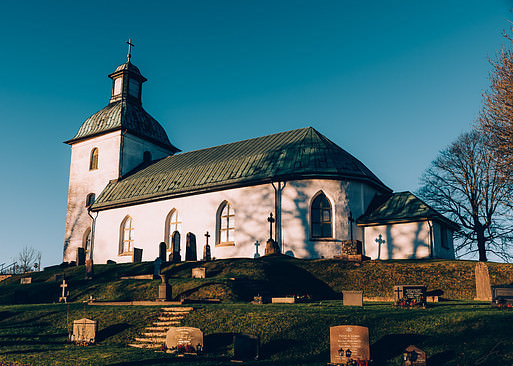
column 393, row 345
column 112, row 330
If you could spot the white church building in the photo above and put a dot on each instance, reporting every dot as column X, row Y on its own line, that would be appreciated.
column 129, row 187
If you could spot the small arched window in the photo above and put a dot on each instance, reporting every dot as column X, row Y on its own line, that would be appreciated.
column 93, row 162
column 126, row 242
column 90, row 199
column 173, row 223
column 321, row 217
column 225, row 224
column 146, row 156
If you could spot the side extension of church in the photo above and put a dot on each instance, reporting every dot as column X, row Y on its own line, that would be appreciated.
column 130, row 188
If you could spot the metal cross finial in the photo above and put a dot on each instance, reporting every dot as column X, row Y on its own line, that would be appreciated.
column 130, row 45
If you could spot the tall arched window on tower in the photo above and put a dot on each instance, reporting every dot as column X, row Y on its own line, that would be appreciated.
column 93, row 162
column 321, row 217
column 173, row 223
column 126, row 236
column 225, row 224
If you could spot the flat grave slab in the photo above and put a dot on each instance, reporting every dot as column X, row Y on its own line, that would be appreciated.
column 283, row 300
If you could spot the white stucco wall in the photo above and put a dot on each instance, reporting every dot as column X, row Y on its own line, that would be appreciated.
column 83, row 181
column 133, row 150
column 402, row 241
column 439, row 250
column 252, row 207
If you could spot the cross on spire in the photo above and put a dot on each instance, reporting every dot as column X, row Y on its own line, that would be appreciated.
column 130, row 45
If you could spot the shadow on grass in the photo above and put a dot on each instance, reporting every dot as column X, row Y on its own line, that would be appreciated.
column 393, row 345
column 441, row 358
column 276, row 346
column 112, row 330
column 218, row 342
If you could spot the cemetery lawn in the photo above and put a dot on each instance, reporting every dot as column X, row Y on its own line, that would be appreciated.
column 452, row 333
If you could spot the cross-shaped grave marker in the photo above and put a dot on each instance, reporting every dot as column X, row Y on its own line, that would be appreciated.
column 207, row 235
column 380, row 241
column 257, row 255
column 271, row 220
column 63, row 298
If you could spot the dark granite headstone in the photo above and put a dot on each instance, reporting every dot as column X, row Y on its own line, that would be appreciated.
column 190, row 248
column 349, row 342
column 157, row 266
column 162, row 251
column 409, row 295
column 352, row 298
column 137, row 256
column 245, row 347
column 414, row 356
column 207, row 256
column 502, row 295
column 80, row 257
column 175, row 256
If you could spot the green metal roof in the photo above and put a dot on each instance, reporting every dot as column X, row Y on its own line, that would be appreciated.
column 400, row 207
column 296, row 154
column 123, row 115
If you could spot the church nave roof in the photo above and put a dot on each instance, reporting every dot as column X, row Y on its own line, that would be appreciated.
column 297, row 154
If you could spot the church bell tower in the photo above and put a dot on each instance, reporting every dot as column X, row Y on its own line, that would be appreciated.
column 109, row 145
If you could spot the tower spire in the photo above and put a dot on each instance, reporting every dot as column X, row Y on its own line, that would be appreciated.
column 130, row 45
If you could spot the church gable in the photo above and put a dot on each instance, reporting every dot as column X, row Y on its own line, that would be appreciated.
column 297, row 154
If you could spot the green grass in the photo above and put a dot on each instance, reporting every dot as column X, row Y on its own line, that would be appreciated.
column 452, row 333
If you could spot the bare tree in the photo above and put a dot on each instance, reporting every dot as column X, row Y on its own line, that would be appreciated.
column 496, row 118
column 28, row 259
column 464, row 184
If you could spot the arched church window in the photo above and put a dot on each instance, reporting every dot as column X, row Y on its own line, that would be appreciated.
column 126, row 243
column 225, row 224
column 93, row 162
column 146, row 156
column 321, row 217
column 90, row 199
column 173, row 223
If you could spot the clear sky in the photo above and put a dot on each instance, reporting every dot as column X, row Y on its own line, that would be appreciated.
column 391, row 82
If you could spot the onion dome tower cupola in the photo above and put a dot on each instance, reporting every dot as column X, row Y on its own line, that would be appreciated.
column 124, row 111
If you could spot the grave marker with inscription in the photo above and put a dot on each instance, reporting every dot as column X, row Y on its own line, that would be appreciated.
column 410, row 295
column 349, row 342
column 84, row 331
column 185, row 339
column 502, row 295
column 25, row 280
column 414, row 356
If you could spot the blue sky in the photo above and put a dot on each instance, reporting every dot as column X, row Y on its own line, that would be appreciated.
column 391, row 82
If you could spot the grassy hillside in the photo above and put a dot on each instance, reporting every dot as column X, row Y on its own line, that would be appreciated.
column 241, row 279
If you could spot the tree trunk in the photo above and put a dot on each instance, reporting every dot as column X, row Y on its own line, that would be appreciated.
column 481, row 244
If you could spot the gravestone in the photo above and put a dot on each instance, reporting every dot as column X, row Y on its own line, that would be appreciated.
column 409, row 295
column 65, row 293
column 59, row 277
column 483, row 289
column 256, row 255
column 207, row 256
column 414, row 356
column 84, row 331
column 190, row 248
column 185, row 339
column 25, row 280
column 245, row 347
column 199, row 272
column 89, row 269
column 165, row 290
column 162, row 251
column 502, row 295
column 81, row 256
column 272, row 247
column 352, row 298
column 175, row 255
column 349, row 342
column 137, row 256
column 157, row 266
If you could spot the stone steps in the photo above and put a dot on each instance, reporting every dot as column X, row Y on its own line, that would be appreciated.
column 153, row 337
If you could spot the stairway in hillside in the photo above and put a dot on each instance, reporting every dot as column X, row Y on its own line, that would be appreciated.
column 155, row 336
